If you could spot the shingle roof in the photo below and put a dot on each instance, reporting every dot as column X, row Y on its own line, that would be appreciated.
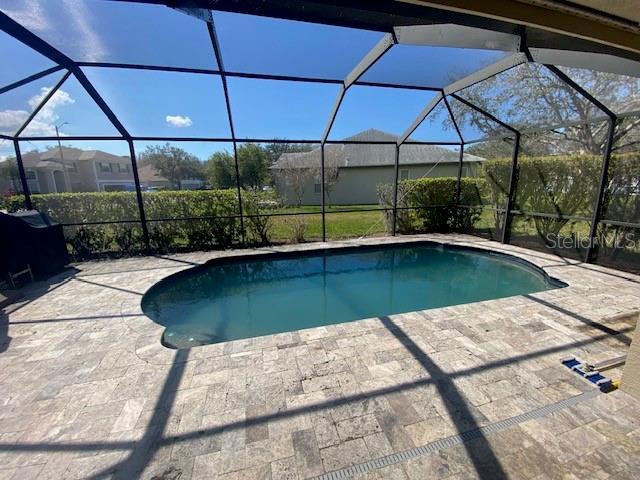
column 371, row 155
column 148, row 173
column 70, row 154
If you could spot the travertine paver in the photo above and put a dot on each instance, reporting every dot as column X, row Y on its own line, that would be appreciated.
column 87, row 390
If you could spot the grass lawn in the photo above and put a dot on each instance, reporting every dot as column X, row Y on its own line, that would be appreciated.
column 343, row 224
column 339, row 225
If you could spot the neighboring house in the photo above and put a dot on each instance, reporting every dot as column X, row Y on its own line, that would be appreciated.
column 358, row 169
column 151, row 178
column 9, row 186
column 76, row 170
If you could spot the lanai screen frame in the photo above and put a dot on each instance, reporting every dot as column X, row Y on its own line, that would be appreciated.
column 443, row 94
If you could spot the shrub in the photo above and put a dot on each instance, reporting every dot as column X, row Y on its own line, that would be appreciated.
column 403, row 216
column 621, row 202
column 218, row 228
column 256, row 221
column 496, row 188
column 563, row 186
column 622, row 199
column 566, row 186
column 298, row 224
column 85, row 242
column 12, row 203
column 429, row 204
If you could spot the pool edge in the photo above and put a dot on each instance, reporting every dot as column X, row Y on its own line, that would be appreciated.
column 486, row 247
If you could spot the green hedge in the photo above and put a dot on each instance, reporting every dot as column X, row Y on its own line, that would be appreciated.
column 429, row 204
column 565, row 185
column 87, row 241
column 559, row 184
column 82, row 207
column 201, row 234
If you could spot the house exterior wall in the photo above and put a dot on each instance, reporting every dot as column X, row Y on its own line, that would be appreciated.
column 358, row 185
column 33, row 183
column 45, row 181
column 85, row 179
column 114, row 177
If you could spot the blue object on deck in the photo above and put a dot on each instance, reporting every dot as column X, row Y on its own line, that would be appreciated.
column 595, row 377
column 575, row 365
column 570, row 362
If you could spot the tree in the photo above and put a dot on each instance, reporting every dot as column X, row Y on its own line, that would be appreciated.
column 491, row 149
column 331, row 171
column 253, row 164
column 295, row 175
column 220, row 171
column 529, row 95
column 9, row 176
column 275, row 150
column 173, row 163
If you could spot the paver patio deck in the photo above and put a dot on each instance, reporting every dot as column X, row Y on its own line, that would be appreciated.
column 88, row 391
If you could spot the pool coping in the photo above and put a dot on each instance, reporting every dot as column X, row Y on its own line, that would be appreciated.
column 360, row 248
column 149, row 348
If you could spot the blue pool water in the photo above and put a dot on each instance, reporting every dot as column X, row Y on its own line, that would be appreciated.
column 252, row 296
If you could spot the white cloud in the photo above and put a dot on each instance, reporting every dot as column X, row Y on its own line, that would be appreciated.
column 10, row 120
column 94, row 47
column 71, row 27
column 29, row 14
column 6, row 149
column 178, row 121
column 48, row 113
column 44, row 122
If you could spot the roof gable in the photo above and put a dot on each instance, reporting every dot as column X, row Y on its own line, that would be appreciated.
column 372, row 154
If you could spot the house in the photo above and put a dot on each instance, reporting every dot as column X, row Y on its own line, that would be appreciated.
column 69, row 169
column 151, row 178
column 354, row 171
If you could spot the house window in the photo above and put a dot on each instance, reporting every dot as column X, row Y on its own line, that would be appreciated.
column 104, row 167
column 317, row 188
column 32, row 181
column 123, row 168
column 404, row 174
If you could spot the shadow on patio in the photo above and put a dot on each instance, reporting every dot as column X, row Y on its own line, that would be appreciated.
column 484, row 460
column 617, row 335
column 5, row 339
column 31, row 292
column 141, row 451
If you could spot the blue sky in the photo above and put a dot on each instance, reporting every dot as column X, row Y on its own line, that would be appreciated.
column 152, row 103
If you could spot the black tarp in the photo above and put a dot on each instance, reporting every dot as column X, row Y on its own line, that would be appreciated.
column 31, row 238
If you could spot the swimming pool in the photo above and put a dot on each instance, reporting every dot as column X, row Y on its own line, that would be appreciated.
column 242, row 297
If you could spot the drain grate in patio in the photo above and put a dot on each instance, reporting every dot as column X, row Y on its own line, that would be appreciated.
column 454, row 440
